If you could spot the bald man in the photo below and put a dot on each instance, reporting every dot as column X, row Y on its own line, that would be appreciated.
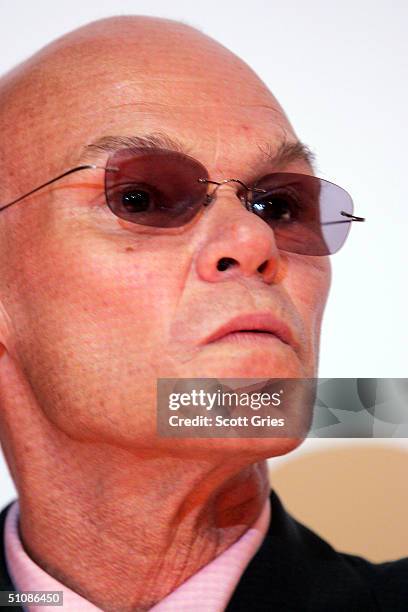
column 159, row 219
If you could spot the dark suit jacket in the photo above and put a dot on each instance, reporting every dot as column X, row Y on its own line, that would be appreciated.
column 296, row 571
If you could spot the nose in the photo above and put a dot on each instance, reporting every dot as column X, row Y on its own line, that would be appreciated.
column 236, row 241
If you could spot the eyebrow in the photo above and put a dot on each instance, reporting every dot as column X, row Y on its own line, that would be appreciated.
column 148, row 141
column 285, row 153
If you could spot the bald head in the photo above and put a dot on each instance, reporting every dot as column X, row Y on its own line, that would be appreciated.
column 113, row 74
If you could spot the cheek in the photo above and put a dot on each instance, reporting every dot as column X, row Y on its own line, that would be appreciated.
column 311, row 290
column 308, row 283
column 90, row 291
column 98, row 286
column 90, row 320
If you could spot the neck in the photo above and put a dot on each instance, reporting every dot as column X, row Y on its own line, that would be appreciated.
column 123, row 529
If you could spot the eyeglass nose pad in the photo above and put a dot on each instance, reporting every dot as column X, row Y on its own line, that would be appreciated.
column 209, row 197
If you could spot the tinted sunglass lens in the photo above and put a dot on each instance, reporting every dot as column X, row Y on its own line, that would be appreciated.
column 159, row 188
column 162, row 188
column 304, row 212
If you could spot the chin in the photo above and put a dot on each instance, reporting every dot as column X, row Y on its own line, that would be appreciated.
column 249, row 364
column 241, row 451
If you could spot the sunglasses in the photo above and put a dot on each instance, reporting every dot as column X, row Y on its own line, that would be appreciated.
column 166, row 189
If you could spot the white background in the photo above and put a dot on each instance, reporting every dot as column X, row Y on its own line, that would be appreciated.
column 339, row 69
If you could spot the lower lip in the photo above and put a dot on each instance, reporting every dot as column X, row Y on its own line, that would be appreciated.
column 250, row 338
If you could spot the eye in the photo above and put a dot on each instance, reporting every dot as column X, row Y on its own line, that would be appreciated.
column 133, row 198
column 136, row 200
column 280, row 205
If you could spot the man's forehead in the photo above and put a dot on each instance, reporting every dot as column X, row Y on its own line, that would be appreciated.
column 93, row 83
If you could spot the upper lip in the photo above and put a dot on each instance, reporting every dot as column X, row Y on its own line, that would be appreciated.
column 257, row 321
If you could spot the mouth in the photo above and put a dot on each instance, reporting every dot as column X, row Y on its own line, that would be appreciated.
column 254, row 327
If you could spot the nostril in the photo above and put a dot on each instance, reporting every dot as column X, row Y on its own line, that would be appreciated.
column 262, row 267
column 225, row 262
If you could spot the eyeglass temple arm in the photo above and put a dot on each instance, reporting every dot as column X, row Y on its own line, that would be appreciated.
column 57, row 178
column 345, row 214
column 352, row 217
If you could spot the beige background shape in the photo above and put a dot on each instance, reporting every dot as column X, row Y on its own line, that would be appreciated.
column 354, row 496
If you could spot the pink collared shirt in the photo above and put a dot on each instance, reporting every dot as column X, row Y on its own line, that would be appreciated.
column 209, row 590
